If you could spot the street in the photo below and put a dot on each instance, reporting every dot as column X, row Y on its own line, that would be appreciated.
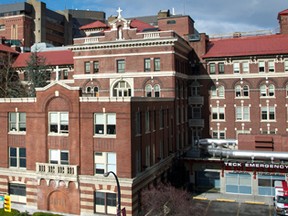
column 218, row 208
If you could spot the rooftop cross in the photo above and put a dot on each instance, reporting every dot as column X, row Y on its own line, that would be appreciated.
column 119, row 12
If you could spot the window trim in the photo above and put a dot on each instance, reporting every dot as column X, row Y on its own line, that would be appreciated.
column 102, row 158
column 59, row 131
column 121, row 65
column 17, row 122
column 18, row 158
column 105, row 118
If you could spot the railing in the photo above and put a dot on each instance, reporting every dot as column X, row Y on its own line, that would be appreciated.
column 196, row 123
column 151, row 35
column 196, row 100
column 56, row 169
column 91, row 40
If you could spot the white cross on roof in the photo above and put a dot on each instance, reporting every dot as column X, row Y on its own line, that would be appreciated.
column 119, row 12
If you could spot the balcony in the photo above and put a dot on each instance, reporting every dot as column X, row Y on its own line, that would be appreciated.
column 57, row 171
column 196, row 123
column 196, row 100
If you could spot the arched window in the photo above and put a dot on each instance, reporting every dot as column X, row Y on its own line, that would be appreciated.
column 96, row 91
column 148, row 90
column 157, row 90
column 246, row 91
column 221, row 91
column 267, row 91
column 88, row 89
column 218, row 92
column 238, row 91
column 121, row 89
column 271, row 90
column 263, row 92
column 242, row 92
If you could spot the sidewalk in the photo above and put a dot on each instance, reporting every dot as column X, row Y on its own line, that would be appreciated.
column 252, row 199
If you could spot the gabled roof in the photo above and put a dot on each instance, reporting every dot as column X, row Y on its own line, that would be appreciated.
column 93, row 25
column 53, row 58
column 4, row 48
column 247, row 46
column 140, row 25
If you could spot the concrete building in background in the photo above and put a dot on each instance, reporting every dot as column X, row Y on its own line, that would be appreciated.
column 32, row 22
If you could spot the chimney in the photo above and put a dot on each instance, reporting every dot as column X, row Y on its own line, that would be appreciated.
column 163, row 14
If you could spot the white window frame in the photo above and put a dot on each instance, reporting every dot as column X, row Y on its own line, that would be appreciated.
column 17, row 157
column 55, row 155
column 236, row 67
column 245, row 67
column 220, row 134
column 19, row 124
column 240, row 91
column 122, row 89
column 286, row 65
column 108, row 123
column 270, row 111
column 105, row 162
column 271, row 66
column 261, row 66
column 218, row 92
column 242, row 113
column 267, row 91
column 212, row 68
column 219, row 111
column 60, row 122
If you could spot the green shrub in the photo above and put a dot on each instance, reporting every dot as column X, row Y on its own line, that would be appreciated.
column 13, row 212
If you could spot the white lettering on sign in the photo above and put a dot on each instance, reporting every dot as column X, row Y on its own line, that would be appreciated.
column 257, row 165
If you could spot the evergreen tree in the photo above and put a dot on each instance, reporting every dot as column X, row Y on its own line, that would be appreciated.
column 38, row 73
column 10, row 84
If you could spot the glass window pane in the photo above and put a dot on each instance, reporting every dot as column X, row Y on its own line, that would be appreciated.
column 100, row 118
column 111, row 118
column 13, row 152
column 53, row 118
column 22, row 152
column 111, row 158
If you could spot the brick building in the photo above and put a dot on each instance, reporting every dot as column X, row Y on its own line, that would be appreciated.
column 242, row 82
column 122, row 107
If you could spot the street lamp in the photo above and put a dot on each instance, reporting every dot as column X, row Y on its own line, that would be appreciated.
column 118, row 189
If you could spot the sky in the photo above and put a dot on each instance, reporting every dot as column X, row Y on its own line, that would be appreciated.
column 210, row 16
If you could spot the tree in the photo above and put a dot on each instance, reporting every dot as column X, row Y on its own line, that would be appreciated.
column 167, row 200
column 10, row 84
column 38, row 73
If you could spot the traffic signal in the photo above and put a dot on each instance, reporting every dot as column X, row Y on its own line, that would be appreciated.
column 7, row 203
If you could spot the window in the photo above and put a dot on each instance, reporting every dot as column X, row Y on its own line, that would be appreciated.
column 17, row 157
column 218, row 92
column 212, row 68
column 221, row 68
column 236, row 67
column 148, row 91
column 271, row 66
column 218, row 113
column 87, row 67
column 138, row 123
column 195, row 89
column 267, row 91
column 17, row 122
column 245, row 67
column 105, row 162
column 268, row 113
column 218, row 134
column 238, row 183
column 95, row 66
column 105, row 123
column 58, row 122
column 121, row 66
column 196, row 112
column 242, row 113
column 261, row 66
column 147, row 121
column 242, row 92
column 122, row 89
column 157, row 64
column 286, row 65
column 57, row 156
column 266, row 184
column 147, row 64
column 105, row 202
column 65, row 74
column 17, row 189
column 157, row 90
